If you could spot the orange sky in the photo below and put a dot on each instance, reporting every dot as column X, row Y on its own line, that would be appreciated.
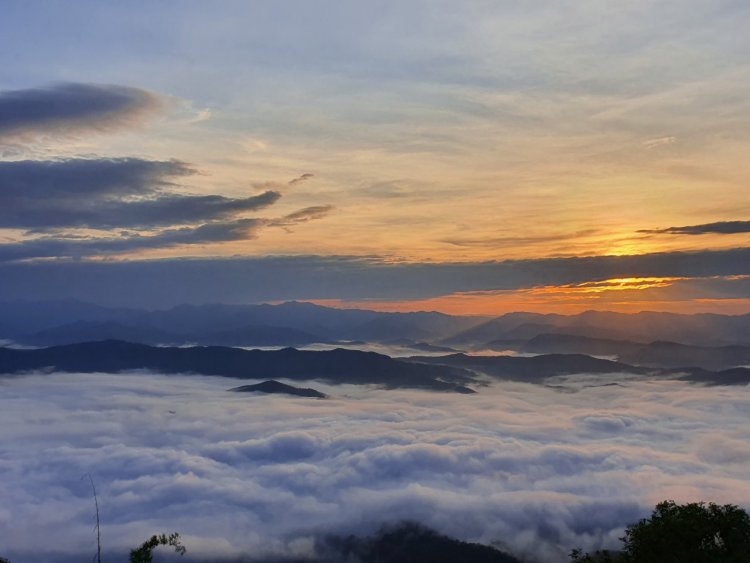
column 626, row 295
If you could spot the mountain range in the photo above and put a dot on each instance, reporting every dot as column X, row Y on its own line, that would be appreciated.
column 285, row 324
column 453, row 372
column 643, row 327
column 659, row 354
column 336, row 366
column 648, row 339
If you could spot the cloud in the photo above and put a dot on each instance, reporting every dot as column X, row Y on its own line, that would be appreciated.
column 161, row 283
column 720, row 227
column 303, row 178
column 387, row 189
column 108, row 193
column 535, row 470
column 58, row 198
column 200, row 116
column 72, row 108
column 78, row 177
column 303, row 216
column 77, row 247
column 493, row 242
column 659, row 142
column 157, row 212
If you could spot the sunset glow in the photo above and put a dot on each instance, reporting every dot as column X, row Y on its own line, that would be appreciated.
column 431, row 135
column 393, row 281
column 626, row 295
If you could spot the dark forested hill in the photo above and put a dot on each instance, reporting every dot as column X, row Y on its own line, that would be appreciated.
column 533, row 368
column 339, row 366
column 412, row 543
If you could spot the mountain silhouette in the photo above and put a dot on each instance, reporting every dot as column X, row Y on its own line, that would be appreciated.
column 275, row 387
column 337, row 366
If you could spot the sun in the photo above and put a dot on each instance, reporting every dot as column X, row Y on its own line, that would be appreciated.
column 624, row 245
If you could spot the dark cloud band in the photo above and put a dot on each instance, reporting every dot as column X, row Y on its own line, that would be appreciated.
column 719, row 228
column 65, row 108
column 41, row 180
column 108, row 193
column 243, row 280
column 55, row 247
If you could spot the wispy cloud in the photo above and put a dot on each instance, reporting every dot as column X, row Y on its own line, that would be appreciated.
column 659, row 142
column 500, row 242
column 720, row 228
column 76, row 247
column 299, row 179
column 303, row 216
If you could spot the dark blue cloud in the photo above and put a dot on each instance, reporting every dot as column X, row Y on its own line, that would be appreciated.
column 108, row 193
column 63, row 108
column 60, row 246
column 161, row 283
column 77, row 177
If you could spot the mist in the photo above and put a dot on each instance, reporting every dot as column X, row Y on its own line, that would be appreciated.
column 535, row 470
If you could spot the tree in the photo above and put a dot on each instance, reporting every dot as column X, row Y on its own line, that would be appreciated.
column 689, row 533
column 98, row 529
column 578, row 556
column 143, row 554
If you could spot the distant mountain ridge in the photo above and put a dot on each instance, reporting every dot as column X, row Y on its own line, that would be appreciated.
column 536, row 369
column 662, row 340
column 532, row 369
column 643, row 327
column 285, row 324
column 654, row 354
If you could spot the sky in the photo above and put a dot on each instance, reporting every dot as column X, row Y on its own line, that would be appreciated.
column 476, row 157
column 534, row 469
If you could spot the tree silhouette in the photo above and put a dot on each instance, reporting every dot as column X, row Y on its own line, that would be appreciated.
column 578, row 556
column 689, row 533
column 143, row 553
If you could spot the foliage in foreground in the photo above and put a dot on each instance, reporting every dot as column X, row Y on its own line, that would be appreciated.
column 143, row 554
column 689, row 533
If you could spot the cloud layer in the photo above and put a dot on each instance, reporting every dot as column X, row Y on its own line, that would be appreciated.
column 533, row 469
column 126, row 193
column 56, row 246
column 161, row 283
column 130, row 204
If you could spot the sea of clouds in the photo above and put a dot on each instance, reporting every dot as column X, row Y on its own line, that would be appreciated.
column 536, row 470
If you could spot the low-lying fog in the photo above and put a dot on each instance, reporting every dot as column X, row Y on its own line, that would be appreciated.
column 536, row 470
